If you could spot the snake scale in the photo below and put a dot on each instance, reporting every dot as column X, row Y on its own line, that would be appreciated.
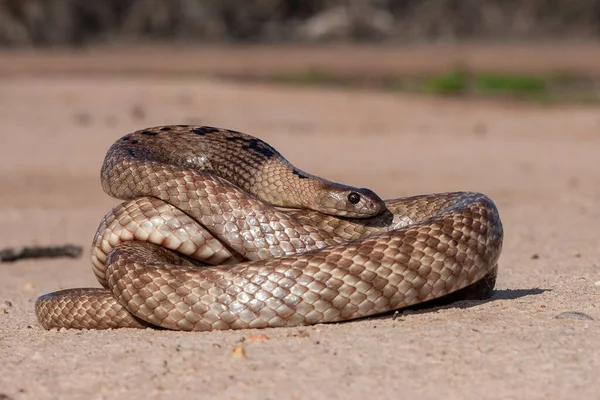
column 219, row 231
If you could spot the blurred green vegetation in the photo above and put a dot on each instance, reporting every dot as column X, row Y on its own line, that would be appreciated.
column 557, row 88
column 455, row 81
column 459, row 81
column 310, row 77
column 497, row 83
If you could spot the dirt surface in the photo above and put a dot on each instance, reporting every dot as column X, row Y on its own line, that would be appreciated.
column 540, row 165
column 575, row 57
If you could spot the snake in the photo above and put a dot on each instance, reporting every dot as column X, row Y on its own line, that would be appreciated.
column 217, row 230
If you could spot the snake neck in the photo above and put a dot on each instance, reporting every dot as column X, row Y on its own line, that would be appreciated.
column 244, row 161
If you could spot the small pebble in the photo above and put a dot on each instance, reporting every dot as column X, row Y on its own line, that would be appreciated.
column 5, row 306
column 257, row 337
column 29, row 286
column 597, row 284
column 239, row 352
column 301, row 334
column 535, row 256
column 574, row 315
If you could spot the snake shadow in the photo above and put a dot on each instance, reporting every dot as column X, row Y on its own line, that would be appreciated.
column 474, row 295
column 458, row 300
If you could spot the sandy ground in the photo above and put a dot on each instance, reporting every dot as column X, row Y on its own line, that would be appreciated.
column 540, row 165
column 577, row 57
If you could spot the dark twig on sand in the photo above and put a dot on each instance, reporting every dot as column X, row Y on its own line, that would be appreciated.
column 12, row 254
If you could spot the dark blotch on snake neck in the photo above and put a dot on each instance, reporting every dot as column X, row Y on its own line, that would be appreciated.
column 149, row 133
column 299, row 174
column 260, row 147
column 253, row 144
column 165, row 128
column 204, row 130
column 131, row 153
column 236, row 139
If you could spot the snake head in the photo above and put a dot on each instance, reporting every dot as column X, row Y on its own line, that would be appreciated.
column 345, row 201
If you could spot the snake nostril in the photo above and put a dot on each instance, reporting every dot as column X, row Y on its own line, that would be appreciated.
column 353, row 197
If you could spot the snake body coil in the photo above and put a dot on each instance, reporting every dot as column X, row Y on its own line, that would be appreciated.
column 203, row 241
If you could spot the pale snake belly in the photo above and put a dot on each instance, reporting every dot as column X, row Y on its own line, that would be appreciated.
column 219, row 231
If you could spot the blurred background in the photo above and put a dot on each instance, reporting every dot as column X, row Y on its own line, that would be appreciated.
column 546, row 50
column 81, row 22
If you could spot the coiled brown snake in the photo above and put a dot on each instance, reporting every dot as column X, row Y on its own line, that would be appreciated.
column 219, row 231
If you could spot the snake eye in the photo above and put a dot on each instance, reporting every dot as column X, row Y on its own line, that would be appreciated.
column 353, row 197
